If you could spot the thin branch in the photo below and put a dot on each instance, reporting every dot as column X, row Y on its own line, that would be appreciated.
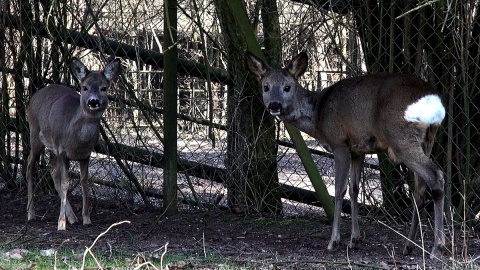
column 88, row 249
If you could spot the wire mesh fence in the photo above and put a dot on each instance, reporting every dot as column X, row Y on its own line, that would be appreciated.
column 342, row 39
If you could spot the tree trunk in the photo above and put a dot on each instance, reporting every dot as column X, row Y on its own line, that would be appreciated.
column 251, row 149
column 170, row 107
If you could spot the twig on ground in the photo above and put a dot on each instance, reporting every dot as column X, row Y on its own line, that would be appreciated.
column 88, row 249
column 94, row 258
column 392, row 255
column 163, row 254
column 55, row 260
column 421, row 234
column 203, row 242
column 348, row 260
column 415, row 244
column 144, row 264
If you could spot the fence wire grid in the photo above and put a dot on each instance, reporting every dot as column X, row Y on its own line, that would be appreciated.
column 342, row 38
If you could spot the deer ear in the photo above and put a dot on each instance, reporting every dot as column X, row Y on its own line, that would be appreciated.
column 79, row 69
column 112, row 69
column 298, row 65
column 256, row 65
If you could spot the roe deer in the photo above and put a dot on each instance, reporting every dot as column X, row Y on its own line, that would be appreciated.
column 68, row 124
column 369, row 114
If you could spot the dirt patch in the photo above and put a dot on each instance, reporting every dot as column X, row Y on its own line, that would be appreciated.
column 254, row 241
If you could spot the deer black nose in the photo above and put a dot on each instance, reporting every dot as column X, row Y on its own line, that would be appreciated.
column 93, row 103
column 275, row 108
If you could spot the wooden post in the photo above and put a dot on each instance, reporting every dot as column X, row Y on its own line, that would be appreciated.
column 170, row 108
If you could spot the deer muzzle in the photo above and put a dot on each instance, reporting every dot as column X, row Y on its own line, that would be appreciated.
column 94, row 104
column 275, row 108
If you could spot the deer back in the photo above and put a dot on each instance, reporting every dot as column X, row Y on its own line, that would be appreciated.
column 364, row 113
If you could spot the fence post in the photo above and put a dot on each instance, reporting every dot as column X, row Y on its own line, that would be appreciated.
column 170, row 108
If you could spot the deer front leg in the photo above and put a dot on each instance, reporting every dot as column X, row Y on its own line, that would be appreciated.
column 356, row 170
column 60, row 178
column 84, row 182
column 342, row 167
column 35, row 152
column 30, row 171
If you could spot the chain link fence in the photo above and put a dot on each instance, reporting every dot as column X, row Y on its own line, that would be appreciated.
column 342, row 40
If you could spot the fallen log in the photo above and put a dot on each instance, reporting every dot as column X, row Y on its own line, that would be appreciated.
column 218, row 175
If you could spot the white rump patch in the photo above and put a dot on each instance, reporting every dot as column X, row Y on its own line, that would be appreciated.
column 428, row 109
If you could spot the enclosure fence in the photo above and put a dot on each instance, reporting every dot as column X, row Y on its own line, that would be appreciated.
column 342, row 38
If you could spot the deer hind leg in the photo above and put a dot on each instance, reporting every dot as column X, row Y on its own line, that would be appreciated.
column 355, row 173
column 342, row 168
column 417, row 159
column 431, row 175
column 419, row 192
column 84, row 182
column 438, row 189
column 60, row 178
column 36, row 149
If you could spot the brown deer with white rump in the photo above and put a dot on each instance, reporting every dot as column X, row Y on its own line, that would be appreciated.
column 68, row 124
column 396, row 113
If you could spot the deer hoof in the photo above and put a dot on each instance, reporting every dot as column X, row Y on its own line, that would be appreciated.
column 437, row 251
column 86, row 221
column 354, row 243
column 407, row 249
column 333, row 245
column 62, row 225
column 72, row 219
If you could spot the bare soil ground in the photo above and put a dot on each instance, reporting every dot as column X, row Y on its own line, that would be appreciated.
column 254, row 242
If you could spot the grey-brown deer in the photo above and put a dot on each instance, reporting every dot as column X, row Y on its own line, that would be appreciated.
column 68, row 124
column 396, row 113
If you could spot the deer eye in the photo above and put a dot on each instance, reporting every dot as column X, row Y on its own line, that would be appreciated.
column 103, row 89
column 287, row 88
column 265, row 88
column 85, row 88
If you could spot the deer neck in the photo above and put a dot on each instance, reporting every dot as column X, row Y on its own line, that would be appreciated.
column 303, row 115
column 86, row 124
